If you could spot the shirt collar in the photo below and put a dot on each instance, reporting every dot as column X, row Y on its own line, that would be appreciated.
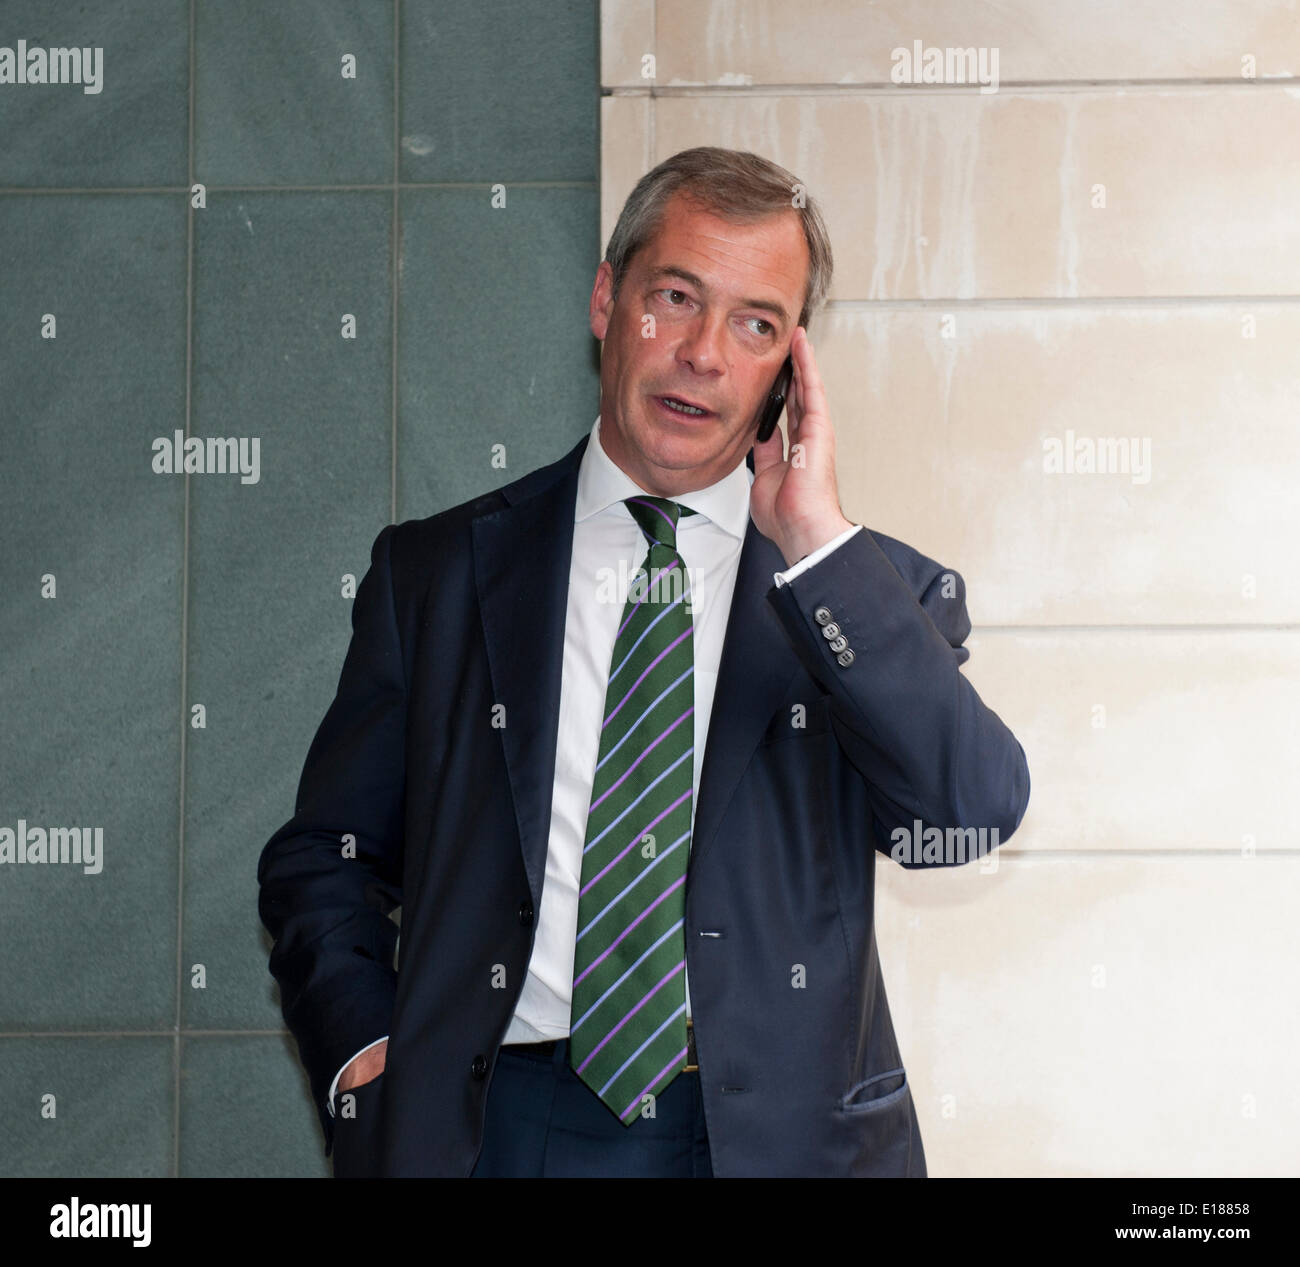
column 602, row 484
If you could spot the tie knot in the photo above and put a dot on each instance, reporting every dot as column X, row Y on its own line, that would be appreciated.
column 657, row 517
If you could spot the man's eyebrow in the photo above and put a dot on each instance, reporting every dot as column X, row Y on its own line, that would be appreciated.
column 764, row 305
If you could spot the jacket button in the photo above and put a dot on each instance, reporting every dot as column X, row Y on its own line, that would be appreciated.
column 526, row 913
column 822, row 615
column 838, row 644
column 846, row 657
column 830, row 631
column 479, row 1067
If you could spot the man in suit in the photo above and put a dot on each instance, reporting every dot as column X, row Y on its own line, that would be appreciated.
column 632, row 827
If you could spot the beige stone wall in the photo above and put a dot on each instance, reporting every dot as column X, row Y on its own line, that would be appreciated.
column 1104, row 249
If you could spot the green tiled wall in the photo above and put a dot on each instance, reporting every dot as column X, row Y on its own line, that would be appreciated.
column 325, row 196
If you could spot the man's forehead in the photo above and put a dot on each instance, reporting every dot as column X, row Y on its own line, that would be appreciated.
column 693, row 244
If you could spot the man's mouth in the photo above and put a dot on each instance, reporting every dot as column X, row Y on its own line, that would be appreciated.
column 682, row 408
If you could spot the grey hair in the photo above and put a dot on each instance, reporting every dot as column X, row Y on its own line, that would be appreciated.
column 738, row 186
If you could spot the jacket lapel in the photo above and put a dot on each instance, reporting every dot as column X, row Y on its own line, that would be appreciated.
column 754, row 676
column 522, row 553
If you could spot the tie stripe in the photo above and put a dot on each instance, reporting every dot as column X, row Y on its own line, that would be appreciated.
column 627, row 1030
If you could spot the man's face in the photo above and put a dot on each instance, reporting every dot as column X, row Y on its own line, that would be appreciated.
column 717, row 341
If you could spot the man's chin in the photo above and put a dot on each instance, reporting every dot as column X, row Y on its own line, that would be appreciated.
column 705, row 454
column 682, row 452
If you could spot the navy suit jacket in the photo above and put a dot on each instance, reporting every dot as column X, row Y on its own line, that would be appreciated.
column 449, row 809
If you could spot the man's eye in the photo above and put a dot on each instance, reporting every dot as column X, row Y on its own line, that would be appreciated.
column 768, row 329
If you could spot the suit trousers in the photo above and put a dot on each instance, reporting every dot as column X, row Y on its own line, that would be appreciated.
column 543, row 1121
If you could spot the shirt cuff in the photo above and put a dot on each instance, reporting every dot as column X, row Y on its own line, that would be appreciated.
column 784, row 578
column 337, row 1076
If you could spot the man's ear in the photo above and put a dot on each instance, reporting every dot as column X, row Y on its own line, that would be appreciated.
column 601, row 308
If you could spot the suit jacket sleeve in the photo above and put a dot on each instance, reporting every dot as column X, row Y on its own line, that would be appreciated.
column 905, row 716
column 328, row 912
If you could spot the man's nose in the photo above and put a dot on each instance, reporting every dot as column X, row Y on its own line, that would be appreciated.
column 702, row 346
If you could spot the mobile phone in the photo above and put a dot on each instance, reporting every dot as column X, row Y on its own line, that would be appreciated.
column 770, row 412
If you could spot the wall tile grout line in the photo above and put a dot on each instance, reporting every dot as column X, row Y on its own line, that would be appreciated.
column 396, row 229
column 47, row 190
column 146, row 1033
column 1006, row 87
column 651, row 139
column 185, row 612
column 1014, row 303
column 1253, row 627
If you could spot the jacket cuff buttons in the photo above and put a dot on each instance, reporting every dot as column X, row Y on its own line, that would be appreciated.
column 834, row 636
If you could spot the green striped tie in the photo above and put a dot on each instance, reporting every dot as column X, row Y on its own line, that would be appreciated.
column 627, row 1027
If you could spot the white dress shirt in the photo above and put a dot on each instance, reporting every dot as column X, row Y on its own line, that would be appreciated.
column 608, row 549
